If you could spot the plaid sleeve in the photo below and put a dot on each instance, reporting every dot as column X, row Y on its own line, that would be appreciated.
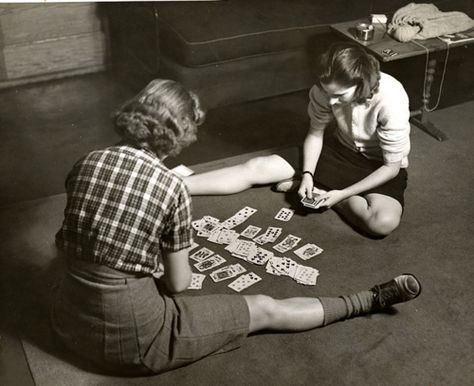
column 177, row 234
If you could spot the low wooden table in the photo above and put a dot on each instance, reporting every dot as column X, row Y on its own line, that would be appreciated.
column 381, row 46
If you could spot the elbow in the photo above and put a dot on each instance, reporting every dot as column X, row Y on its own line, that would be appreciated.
column 177, row 286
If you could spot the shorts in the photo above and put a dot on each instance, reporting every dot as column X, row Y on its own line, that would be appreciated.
column 125, row 324
column 339, row 167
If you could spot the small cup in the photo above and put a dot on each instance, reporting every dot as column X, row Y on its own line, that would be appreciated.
column 364, row 32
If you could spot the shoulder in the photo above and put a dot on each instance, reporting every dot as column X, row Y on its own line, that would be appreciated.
column 315, row 93
column 390, row 87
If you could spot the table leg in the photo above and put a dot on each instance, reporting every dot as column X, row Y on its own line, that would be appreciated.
column 420, row 117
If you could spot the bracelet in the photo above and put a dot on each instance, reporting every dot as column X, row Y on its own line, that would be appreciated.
column 307, row 172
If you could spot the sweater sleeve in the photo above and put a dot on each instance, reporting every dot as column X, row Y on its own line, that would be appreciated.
column 319, row 110
column 393, row 129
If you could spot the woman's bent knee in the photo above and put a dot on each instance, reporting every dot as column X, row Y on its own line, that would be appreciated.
column 384, row 223
column 268, row 169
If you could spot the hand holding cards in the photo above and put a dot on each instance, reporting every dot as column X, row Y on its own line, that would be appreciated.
column 312, row 203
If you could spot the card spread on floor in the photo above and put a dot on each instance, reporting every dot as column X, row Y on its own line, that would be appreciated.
column 244, row 281
column 260, row 256
column 227, row 272
column 260, row 240
column 201, row 254
column 288, row 243
column 272, row 233
column 241, row 216
column 196, row 281
column 241, row 248
column 308, row 251
column 223, row 236
column 182, row 171
column 210, row 263
column 283, row 266
column 284, row 214
column 251, row 231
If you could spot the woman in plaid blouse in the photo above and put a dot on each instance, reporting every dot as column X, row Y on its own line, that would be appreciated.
column 127, row 222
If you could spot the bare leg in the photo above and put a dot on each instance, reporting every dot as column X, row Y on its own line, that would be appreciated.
column 299, row 314
column 376, row 214
column 293, row 314
column 234, row 179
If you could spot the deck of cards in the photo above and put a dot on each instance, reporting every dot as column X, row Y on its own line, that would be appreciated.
column 312, row 202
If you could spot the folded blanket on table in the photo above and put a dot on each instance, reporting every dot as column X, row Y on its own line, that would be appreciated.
column 424, row 21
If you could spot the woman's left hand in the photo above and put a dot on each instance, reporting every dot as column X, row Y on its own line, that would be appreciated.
column 331, row 198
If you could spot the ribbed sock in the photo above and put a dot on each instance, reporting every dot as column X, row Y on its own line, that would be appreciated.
column 345, row 307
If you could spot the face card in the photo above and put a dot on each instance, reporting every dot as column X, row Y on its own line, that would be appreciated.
column 201, row 254
column 196, row 281
column 251, row 231
column 227, row 272
column 308, row 251
column 210, row 263
column 244, row 281
column 288, row 243
column 284, row 214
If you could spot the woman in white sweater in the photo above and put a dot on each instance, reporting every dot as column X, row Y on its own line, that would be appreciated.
column 359, row 166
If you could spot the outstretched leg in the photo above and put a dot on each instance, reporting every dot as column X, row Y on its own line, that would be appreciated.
column 375, row 214
column 234, row 179
column 299, row 314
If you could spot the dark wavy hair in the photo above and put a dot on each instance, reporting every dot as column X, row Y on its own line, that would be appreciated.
column 350, row 65
column 162, row 118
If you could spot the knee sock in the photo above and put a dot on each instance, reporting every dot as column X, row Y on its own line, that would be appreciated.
column 345, row 307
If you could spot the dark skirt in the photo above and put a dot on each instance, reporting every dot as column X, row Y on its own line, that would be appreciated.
column 125, row 324
column 339, row 167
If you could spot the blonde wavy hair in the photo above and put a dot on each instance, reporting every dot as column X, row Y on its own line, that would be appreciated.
column 162, row 118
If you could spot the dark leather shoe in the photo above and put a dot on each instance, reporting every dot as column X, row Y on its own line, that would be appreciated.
column 401, row 289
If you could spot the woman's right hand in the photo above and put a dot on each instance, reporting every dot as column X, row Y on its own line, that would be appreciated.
column 306, row 186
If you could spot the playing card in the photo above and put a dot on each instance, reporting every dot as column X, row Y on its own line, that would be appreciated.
column 227, row 236
column 308, row 251
column 244, row 281
column 207, row 228
column 306, row 275
column 260, row 256
column 288, row 243
column 227, row 272
column 238, row 218
column 209, row 263
column 251, row 231
column 182, row 171
column 311, row 202
column 272, row 233
column 260, row 239
column 284, row 214
column 201, row 254
column 283, row 265
column 196, row 281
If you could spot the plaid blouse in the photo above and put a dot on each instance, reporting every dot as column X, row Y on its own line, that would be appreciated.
column 124, row 207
